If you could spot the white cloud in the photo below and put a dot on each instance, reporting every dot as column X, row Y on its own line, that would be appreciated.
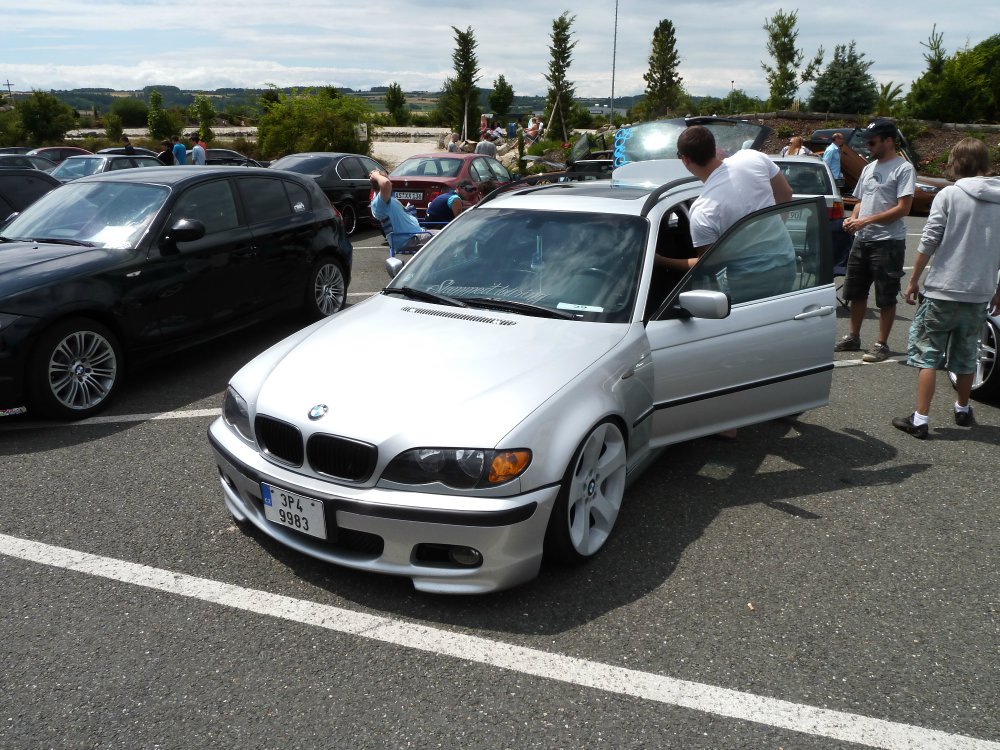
column 133, row 43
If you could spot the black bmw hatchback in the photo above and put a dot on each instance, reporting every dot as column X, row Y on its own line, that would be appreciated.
column 122, row 266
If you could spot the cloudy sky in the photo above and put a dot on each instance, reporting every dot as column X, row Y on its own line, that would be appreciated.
column 128, row 44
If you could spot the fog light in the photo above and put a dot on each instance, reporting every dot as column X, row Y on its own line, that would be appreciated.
column 465, row 556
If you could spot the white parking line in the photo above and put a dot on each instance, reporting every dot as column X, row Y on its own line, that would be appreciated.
column 709, row 699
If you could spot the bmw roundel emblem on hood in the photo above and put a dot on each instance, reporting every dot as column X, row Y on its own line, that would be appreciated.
column 318, row 411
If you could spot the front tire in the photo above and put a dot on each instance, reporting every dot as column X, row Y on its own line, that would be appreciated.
column 326, row 290
column 587, row 507
column 986, row 379
column 75, row 369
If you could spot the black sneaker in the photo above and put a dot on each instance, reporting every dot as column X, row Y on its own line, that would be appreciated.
column 878, row 353
column 964, row 418
column 906, row 425
column 848, row 344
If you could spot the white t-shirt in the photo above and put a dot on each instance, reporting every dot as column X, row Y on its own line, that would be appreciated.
column 739, row 187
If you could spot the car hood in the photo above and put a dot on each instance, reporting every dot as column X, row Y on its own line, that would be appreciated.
column 391, row 366
column 25, row 265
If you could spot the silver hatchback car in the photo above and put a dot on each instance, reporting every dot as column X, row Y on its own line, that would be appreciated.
column 491, row 404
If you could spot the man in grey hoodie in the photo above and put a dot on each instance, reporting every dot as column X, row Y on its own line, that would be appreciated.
column 962, row 235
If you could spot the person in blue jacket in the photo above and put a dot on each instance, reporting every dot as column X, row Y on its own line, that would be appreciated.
column 447, row 206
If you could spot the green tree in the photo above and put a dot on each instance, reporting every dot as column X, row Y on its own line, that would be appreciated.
column 203, row 112
column 113, row 127
column 889, row 99
column 964, row 87
column 784, row 78
column 845, row 85
column 132, row 112
column 501, row 98
column 559, row 102
column 459, row 101
column 314, row 121
column 157, row 120
column 44, row 119
column 663, row 85
column 395, row 104
column 10, row 127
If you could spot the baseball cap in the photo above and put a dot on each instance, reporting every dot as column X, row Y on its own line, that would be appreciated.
column 880, row 128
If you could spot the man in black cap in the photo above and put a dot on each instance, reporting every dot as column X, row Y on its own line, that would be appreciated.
column 447, row 206
column 885, row 191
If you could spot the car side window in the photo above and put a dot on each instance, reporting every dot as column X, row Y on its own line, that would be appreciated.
column 500, row 173
column 351, row 169
column 211, row 203
column 773, row 252
column 115, row 164
column 298, row 196
column 481, row 171
column 264, row 199
column 369, row 165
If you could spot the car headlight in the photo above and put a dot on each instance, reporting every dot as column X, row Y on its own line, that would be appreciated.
column 460, row 468
column 237, row 414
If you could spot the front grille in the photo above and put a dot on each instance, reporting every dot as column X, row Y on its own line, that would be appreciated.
column 341, row 458
column 280, row 440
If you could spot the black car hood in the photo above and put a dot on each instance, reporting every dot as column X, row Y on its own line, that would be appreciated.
column 28, row 265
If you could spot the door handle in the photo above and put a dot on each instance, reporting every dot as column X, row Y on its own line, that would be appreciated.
column 816, row 312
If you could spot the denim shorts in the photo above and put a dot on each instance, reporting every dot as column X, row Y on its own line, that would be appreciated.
column 879, row 262
column 945, row 335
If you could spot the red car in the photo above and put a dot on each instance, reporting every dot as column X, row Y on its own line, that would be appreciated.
column 422, row 178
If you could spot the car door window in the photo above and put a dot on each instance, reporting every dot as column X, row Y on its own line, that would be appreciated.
column 369, row 165
column 775, row 252
column 500, row 173
column 264, row 199
column 480, row 170
column 211, row 203
column 350, row 168
column 115, row 164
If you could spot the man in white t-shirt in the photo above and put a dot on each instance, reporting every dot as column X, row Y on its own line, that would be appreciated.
column 736, row 186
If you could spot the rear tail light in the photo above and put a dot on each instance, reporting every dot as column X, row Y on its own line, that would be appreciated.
column 836, row 210
column 334, row 208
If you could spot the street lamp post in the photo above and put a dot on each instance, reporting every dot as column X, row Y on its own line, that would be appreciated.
column 614, row 54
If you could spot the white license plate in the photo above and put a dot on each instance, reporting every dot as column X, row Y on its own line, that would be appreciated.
column 408, row 195
column 294, row 511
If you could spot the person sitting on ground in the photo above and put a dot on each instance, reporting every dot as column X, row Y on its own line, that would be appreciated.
column 447, row 206
column 453, row 146
column 795, row 148
column 400, row 227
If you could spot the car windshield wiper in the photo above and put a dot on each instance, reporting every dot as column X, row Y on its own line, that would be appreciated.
column 508, row 305
column 61, row 241
column 423, row 296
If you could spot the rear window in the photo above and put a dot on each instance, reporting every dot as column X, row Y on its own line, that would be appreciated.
column 807, row 179
column 435, row 167
column 303, row 164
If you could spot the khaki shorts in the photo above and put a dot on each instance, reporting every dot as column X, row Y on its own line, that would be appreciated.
column 945, row 335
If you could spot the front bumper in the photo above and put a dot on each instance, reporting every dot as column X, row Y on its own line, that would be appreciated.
column 385, row 531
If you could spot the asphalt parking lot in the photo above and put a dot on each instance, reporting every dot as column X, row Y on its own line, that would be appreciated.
column 824, row 582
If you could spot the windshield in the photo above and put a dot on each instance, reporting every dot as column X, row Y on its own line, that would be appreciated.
column 806, row 178
column 430, row 167
column 103, row 214
column 77, row 167
column 583, row 265
column 658, row 139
